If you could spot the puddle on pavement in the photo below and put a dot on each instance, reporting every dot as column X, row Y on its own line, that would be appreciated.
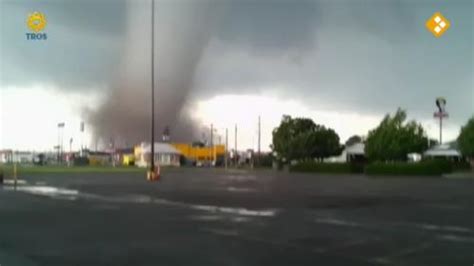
column 207, row 218
column 214, row 218
column 49, row 191
column 428, row 227
column 71, row 194
column 238, row 189
column 232, row 210
column 448, row 228
column 242, row 177
column 340, row 222
column 455, row 238
column 222, row 232
column 11, row 182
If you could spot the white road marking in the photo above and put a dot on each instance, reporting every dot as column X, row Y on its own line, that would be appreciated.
column 207, row 218
column 450, row 228
column 454, row 238
column 237, row 189
column 69, row 194
column 424, row 226
column 12, row 182
column 401, row 253
column 337, row 222
column 232, row 210
column 49, row 191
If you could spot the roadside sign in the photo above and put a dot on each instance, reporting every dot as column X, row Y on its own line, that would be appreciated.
column 440, row 114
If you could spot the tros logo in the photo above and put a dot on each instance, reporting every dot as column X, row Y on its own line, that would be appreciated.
column 36, row 22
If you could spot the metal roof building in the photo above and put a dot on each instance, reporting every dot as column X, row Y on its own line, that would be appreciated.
column 448, row 150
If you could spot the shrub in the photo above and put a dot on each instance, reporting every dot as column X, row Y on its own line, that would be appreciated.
column 461, row 166
column 425, row 168
column 451, row 166
column 81, row 161
column 265, row 160
column 329, row 168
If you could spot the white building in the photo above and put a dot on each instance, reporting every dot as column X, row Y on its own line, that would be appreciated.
column 448, row 151
column 350, row 153
column 25, row 157
column 165, row 154
column 6, row 156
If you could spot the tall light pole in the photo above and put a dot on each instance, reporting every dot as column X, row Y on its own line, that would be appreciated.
column 59, row 144
column 211, row 144
column 212, row 136
column 235, row 146
column 82, row 138
column 226, row 146
column 259, row 138
column 60, row 140
column 151, row 174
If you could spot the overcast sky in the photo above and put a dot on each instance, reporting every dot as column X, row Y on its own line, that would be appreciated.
column 343, row 63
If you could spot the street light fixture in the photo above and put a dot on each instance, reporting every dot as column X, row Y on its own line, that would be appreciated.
column 60, row 140
column 441, row 114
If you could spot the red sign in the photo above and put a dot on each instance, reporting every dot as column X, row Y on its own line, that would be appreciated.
column 440, row 114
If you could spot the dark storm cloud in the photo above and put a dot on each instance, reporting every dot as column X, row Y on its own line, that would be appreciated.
column 269, row 25
column 363, row 56
column 368, row 56
column 84, row 39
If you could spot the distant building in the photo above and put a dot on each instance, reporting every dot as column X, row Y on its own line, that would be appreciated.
column 445, row 151
column 200, row 155
column 6, row 156
column 165, row 154
column 353, row 153
column 125, row 156
column 96, row 158
column 414, row 157
column 23, row 157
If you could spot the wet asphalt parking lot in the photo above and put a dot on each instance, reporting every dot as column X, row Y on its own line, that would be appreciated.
column 236, row 217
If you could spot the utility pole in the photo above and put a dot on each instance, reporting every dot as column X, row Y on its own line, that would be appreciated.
column 69, row 157
column 440, row 130
column 226, row 145
column 82, row 139
column 212, row 143
column 235, row 146
column 15, row 174
column 60, row 140
column 259, row 136
column 59, row 145
column 212, row 135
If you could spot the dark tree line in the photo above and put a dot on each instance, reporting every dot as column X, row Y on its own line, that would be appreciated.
column 301, row 139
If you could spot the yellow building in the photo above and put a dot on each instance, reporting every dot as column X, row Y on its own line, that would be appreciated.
column 200, row 154
column 128, row 159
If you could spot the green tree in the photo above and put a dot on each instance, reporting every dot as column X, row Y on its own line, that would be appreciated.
column 353, row 140
column 466, row 139
column 394, row 138
column 302, row 139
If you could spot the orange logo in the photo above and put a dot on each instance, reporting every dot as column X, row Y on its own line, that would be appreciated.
column 437, row 24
